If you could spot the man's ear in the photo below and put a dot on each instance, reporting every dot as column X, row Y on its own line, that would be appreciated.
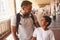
column 23, row 7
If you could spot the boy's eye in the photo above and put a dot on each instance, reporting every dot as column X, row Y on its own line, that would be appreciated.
column 42, row 19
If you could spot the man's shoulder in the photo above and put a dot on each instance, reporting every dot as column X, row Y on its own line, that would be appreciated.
column 13, row 20
column 34, row 16
column 13, row 16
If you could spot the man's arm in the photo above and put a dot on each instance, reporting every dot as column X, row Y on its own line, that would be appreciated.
column 13, row 30
column 13, row 27
column 36, row 21
column 33, row 38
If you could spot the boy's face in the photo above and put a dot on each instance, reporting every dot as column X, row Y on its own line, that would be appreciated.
column 43, row 22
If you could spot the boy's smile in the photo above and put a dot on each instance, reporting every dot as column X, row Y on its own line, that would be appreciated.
column 43, row 23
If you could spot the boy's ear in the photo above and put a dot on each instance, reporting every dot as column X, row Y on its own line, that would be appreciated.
column 46, row 23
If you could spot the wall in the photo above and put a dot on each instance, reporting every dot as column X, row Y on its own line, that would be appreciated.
column 4, row 28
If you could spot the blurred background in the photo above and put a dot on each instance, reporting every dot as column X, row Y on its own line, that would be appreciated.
column 8, row 8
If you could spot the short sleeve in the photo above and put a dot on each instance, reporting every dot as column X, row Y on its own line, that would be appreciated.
column 35, row 33
column 52, row 36
column 13, row 21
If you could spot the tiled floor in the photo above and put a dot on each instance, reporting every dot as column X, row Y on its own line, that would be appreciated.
column 9, row 37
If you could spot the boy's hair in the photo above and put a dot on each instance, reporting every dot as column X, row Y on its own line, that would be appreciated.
column 48, row 19
column 25, row 3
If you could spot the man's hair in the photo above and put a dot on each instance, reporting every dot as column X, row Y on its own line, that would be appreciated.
column 48, row 19
column 25, row 3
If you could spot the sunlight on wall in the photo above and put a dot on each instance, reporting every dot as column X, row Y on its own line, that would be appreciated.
column 6, row 9
column 18, row 5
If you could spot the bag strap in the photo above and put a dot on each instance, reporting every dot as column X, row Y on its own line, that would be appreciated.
column 18, row 20
column 33, row 19
column 35, row 23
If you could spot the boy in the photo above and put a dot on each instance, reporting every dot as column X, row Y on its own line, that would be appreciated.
column 43, row 33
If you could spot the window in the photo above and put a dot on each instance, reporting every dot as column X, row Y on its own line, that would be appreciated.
column 6, row 9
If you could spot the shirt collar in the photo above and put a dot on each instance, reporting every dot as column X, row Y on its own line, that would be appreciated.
column 22, row 13
column 42, row 29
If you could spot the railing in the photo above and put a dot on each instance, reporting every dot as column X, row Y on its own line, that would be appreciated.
column 4, row 28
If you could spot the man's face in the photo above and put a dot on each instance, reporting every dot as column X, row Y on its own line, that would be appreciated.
column 28, row 8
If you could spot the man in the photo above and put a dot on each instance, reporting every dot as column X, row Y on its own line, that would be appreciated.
column 25, row 29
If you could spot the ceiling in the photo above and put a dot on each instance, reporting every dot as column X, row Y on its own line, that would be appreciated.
column 42, row 2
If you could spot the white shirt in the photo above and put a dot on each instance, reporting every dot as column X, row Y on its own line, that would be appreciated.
column 26, row 29
column 40, row 34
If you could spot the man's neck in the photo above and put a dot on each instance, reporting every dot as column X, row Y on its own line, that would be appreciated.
column 22, row 12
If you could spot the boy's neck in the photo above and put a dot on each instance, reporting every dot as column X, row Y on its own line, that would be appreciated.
column 45, row 28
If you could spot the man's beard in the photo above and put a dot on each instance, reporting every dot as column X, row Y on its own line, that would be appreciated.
column 26, row 15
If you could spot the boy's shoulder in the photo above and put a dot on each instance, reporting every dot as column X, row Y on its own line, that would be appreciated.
column 50, row 31
column 37, row 29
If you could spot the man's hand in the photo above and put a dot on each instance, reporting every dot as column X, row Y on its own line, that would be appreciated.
column 14, row 30
column 33, row 38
